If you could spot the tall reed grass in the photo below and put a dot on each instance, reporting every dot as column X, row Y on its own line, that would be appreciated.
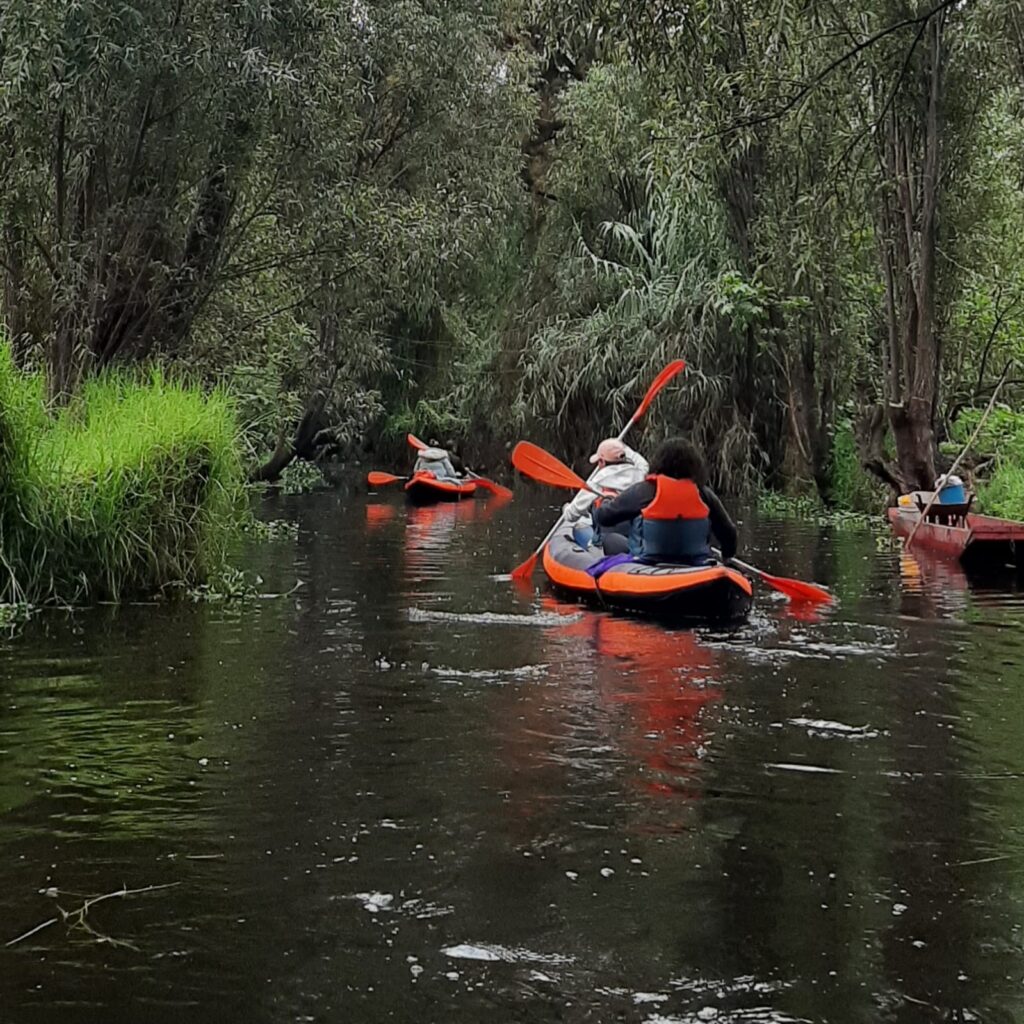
column 135, row 486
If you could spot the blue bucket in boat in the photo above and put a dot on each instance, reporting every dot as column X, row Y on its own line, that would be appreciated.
column 952, row 492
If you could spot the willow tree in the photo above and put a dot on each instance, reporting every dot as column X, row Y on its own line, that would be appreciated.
column 411, row 166
column 128, row 132
column 259, row 189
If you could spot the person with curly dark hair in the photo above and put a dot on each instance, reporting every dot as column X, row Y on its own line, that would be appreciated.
column 672, row 513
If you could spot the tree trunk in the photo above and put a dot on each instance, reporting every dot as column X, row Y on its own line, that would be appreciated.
column 910, row 161
column 299, row 444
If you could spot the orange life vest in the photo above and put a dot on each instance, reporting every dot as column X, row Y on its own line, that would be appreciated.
column 675, row 526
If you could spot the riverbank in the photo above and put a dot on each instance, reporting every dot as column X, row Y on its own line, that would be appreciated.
column 133, row 487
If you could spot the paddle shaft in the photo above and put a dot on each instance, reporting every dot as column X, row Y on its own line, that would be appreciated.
column 745, row 566
column 659, row 382
column 587, row 486
column 490, row 485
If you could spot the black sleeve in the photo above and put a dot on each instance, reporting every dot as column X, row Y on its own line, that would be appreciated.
column 625, row 506
column 722, row 526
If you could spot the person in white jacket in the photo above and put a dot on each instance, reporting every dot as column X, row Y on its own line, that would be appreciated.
column 435, row 461
column 618, row 467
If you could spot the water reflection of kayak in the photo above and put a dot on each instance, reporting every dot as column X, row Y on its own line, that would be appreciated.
column 685, row 592
column 425, row 488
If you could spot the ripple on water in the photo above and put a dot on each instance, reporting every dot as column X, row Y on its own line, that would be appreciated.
column 492, row 618
column 834, row 730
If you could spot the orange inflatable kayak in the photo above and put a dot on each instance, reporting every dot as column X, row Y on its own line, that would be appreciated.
column 677, row 591
column 425, row 488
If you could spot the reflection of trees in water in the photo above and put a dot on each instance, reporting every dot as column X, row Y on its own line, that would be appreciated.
column 429, row 531
column 851, row 872
column 109, row 738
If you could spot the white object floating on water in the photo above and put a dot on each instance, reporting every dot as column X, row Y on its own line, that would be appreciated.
column 572, row 875
column 707, row 1013
column 820, row 725
column 607, row 872
column 467, row 952
column 649, row 997
column 374, row 902
column 204, row 761
column 898, row 908
column 804, row 768
column 492, row 952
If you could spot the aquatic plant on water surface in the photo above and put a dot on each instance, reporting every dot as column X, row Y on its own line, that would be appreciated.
column 134, row 486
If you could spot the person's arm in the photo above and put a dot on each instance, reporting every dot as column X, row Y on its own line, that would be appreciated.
column 580, row 504
column 576, row 509
column 628, row 505
column 636, row 459
column 722, row 526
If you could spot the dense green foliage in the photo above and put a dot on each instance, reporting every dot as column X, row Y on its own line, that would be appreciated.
column 135, row 485
column 499, row 218
column 999, row 452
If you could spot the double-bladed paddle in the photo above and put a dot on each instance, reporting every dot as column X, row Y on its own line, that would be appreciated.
column 379, row 479
column 795, row 590
column 524, row 570
column 488, row 485
column 541, row 465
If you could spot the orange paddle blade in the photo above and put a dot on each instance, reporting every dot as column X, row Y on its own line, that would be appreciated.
column 535, row 462
column 489, row 485
column 415, row 442
column 798, row 590
column 525, row 570
column 378, row 479
column 795, row 590
column 675, row 367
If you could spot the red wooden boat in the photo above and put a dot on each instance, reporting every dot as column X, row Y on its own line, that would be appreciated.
column 981, row 543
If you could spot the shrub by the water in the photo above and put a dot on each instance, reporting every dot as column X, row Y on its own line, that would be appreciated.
column 136, row 485
column 1000, row 448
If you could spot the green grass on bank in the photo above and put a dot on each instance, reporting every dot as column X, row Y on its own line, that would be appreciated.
column 135, row 486
column 998, row 451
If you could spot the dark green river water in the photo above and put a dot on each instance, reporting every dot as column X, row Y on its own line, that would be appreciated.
column 408, row 792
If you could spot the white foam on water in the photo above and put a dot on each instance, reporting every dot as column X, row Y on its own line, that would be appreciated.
column 753, row 1015
column 725, row 987
column 805, row 768
column 491, row 952
column 492, row 618
column 522, row 672
column 467, row 952
column 374, row 902
column 821, row 726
